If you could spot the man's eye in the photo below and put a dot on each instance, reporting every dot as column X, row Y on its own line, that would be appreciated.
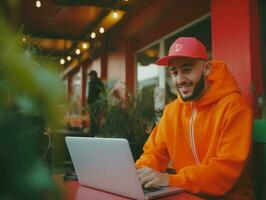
column 174, row 73
column 186, row 70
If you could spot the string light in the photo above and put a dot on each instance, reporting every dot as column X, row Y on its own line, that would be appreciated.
column 69, row 58
column 38, row 4
column 101, row 30
column 93, row 35
column 62, row 61
column 115, row 14
column 84, row 45
column 77, row 51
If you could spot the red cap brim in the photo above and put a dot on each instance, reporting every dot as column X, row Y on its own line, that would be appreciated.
column 165, row 60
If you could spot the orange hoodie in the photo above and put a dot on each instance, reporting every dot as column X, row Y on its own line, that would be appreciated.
column 208, row 140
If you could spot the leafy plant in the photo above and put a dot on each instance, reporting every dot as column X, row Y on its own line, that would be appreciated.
column 132, row 118
column 30, row 93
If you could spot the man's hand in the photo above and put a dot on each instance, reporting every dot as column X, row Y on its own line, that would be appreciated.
column 151, row 178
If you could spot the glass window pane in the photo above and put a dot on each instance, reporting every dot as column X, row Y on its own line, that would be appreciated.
column 147, row 72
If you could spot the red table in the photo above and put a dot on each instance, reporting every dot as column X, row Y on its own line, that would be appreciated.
column 73, row 191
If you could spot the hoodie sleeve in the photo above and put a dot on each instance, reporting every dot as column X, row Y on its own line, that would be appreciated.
column 155, row 152
column 218, row 176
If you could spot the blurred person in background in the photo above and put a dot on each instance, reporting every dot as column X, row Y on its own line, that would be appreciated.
column 95, row 90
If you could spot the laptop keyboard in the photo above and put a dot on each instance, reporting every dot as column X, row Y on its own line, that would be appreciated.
column 149, row 190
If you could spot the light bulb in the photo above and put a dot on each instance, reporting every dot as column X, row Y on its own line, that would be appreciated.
column 115, row 14
column 84, row 45
column 68, row 58
column 38, row 4
column 62, row 61
column 101, row 30
column 77, row 51
column 93, row 35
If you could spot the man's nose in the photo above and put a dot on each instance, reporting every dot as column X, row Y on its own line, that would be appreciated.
column 180, row 79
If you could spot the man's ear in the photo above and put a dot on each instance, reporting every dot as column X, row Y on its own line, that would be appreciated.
column 207, row 68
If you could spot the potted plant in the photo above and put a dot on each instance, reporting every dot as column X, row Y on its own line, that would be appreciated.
column 132, row 118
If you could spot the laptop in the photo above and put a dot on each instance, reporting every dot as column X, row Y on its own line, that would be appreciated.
column 107, row 164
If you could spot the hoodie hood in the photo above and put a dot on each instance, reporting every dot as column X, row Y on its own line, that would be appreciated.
column 222, row 84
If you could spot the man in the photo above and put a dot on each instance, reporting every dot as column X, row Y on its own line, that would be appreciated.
column 205, row 132
column 95, row 89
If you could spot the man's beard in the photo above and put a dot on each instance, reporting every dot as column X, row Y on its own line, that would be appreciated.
column 196, row 92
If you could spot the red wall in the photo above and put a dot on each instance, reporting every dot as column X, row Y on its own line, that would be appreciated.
column 235, row 39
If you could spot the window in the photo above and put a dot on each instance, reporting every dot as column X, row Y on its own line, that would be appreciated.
column 147, row 72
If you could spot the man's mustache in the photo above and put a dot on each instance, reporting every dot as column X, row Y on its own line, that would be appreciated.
column 188, row 84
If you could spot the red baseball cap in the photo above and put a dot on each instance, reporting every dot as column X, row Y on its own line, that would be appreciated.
column 188, row 47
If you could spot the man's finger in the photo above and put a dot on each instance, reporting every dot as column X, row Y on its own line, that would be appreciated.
column 147, row 178
column 152, row 183
column 143, row 171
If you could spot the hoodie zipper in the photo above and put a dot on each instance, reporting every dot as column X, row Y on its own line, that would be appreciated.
column 191, row 134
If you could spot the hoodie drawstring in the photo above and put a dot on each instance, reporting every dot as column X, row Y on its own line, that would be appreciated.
column 191, row 135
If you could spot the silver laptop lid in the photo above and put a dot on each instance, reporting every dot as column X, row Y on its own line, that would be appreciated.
column 106, row 164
